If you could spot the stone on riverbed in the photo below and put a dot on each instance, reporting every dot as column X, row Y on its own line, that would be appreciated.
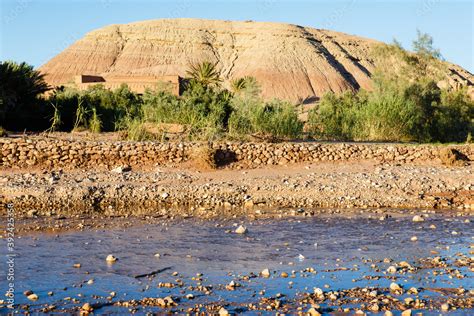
column 32, row 297
column 395, row 288
column 318, row 292
column 313, row 312
column 392, row 269
column 121, row 169
column 87, row 308
column 111, row 258
column 241, row 230
column 418, row 218
column 406, row 312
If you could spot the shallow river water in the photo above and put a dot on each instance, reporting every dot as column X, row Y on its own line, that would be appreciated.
column 45, row 263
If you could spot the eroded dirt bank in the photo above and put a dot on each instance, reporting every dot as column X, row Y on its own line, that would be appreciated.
column 184, row 191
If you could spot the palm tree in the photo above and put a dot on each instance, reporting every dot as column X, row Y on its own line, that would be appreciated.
column 240, row 84
column 20, row 85
column 205, row 73
column 245, row 86
column 237, row 85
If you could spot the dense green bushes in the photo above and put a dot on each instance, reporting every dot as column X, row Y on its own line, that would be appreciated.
column 202, row 110
column 416, row 112
column 207, row 111
column 96, row 108
column 405, row 104
column 267, row 120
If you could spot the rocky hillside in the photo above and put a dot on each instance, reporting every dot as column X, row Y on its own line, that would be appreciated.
column 290, row 61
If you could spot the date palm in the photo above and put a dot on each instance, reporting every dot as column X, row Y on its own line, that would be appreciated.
column 240, row 84
column 20, row 85
column 205, row 73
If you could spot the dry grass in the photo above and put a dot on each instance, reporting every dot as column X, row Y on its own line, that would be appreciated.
column 452, row 157
column 204, row 158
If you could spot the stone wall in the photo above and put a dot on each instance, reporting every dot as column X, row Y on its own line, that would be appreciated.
column 54, row 153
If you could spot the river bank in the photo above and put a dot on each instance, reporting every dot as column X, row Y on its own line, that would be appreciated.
column 184, row 192
column 64, row 176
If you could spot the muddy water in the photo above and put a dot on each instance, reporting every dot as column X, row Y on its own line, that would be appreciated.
column 44, row 263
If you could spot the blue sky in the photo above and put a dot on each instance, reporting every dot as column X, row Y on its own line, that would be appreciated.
column 36, row 30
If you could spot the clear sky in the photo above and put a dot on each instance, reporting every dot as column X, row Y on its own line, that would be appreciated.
column 36, row 30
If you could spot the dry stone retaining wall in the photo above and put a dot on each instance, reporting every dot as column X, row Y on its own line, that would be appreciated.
column 55, row 153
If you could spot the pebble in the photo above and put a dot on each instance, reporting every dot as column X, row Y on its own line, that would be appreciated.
column 394, row 287
column 121, row 169
column 318, row 292
column 413, row 290
column 406, row 312
column 313, row 312
column 87, row 308
column 374, row 307
column 32, row 297
column 418, row 218
column 445, row 307
column 265, row 273
column 414, row 238
column 392, row 269
column 111, row 258
column 241, row 230
column 223, row 311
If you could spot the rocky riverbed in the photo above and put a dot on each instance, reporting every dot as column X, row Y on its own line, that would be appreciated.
column 182, row 191
column 391, row 264
column 303, row 238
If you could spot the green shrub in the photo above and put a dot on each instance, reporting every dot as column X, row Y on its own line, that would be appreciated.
column 419, row 112
column 453, row 118
column 203, row 109
column 335, row 117
column 135, row 129
column 56, row 120
column 246, row 87
column 95, row 123
column 405, row 103
column 276, row 119
column 77, row 107
column 387, row 117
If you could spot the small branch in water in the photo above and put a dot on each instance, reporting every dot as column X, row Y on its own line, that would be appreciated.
column 151, row 273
